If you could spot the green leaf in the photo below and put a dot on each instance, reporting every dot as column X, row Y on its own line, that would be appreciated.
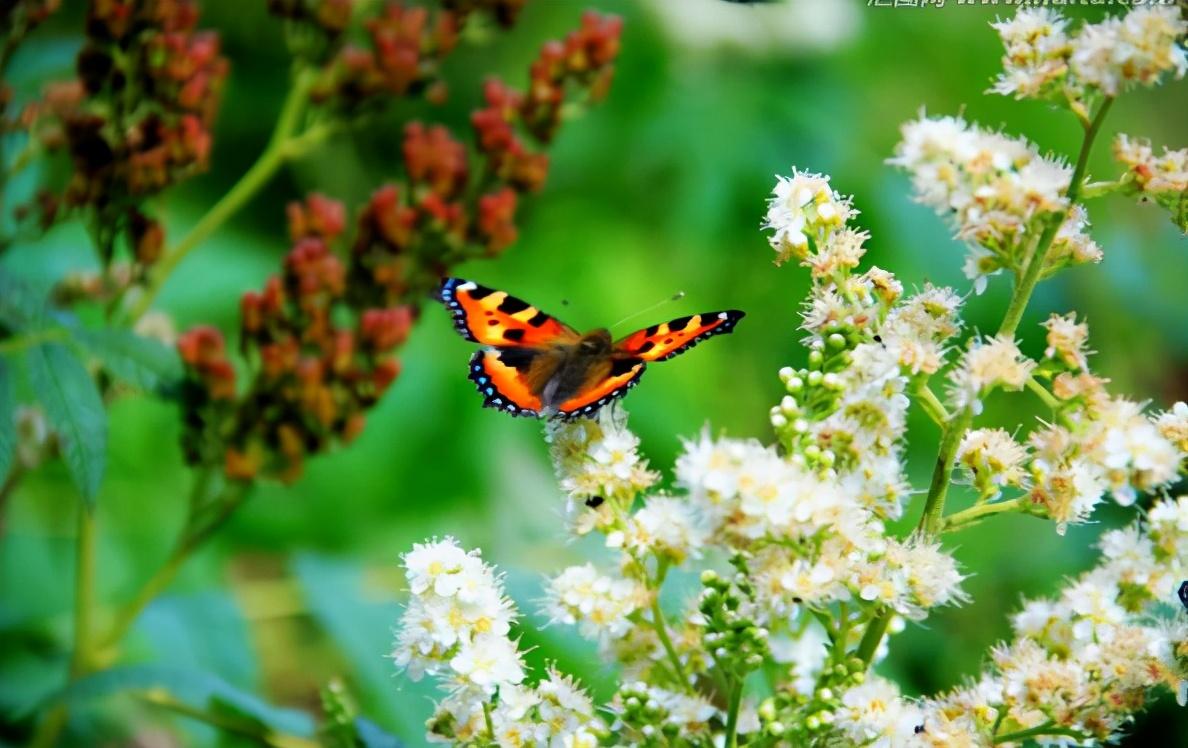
column 193, row 686
column 8, row 436
column 144, row 362
column 74, row 409
column 22, row 306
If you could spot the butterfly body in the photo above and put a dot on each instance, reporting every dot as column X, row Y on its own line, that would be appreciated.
column 536, row 366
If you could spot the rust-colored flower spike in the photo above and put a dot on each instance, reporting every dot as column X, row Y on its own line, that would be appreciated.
column 317, row 361
column 319, row 339
column 406, row 44
column 150, row 52
column 585, row 58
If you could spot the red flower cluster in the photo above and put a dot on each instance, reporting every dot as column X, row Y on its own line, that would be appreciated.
column 406, row 45
column 315, row 372
column 584, row 58
column 319, row 339
column 148, row 52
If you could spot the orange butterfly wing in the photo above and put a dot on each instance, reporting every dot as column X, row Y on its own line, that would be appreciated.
column 606, row 382
column 503, row 378
column 662, row 342
column 484, row 315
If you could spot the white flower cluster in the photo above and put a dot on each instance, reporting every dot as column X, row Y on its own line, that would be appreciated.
column 1078, row 665
column 997, row 189
column 1044, row 60
column 1162, row 177
column 808, row 218
column 598, row 459
column 456, row 628
column 988, row 363
column 1154, row 174
column 813, row 541
column 600, row 605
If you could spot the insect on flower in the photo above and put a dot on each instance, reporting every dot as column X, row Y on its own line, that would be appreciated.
column 1183, row 593
column 535, row 365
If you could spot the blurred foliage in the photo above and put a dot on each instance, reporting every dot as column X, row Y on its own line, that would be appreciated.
column 659, row 190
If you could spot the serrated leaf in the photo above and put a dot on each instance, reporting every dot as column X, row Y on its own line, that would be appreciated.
column 143, row 362
column 74, row 409
column 8, row 435
column 192, row 686
column 22, row 306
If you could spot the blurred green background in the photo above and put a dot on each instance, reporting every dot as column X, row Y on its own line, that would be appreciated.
column 659, row 189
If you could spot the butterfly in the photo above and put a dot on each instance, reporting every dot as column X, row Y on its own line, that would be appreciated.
column 534, row 365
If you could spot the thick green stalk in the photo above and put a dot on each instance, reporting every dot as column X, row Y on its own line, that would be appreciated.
column 84, row 591
column 1035, row 265
column 51, row 727
column 954, row 430
column 253, row 180
column 191, row 540
column 873, row 636
column 938, row 489
column 732, row 715
column 662, row 633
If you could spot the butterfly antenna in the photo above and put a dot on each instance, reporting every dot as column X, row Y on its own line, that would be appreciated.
column 675, row 297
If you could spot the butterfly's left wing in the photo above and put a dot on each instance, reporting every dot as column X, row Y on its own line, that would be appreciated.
column 485, row 315
column 662, row 342
column 607, row 380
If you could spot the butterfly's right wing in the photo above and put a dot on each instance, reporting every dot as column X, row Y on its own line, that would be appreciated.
column 484, row 315
column 662, row 342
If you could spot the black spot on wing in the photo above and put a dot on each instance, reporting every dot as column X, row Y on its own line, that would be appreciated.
column 647, row 346
column 515, row 334
column 621, row 366
column 519, row 359
column 492, row 397
column 512, row 305
column 538, row 319
column 651, row 331
column 680, row 323
column 727, row 324
column 479, row 292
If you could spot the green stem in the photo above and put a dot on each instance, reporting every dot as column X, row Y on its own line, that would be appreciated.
column 1042, row 393
column 253, row 180
column 1100, row 189
column 873, row 636
column 954, row 431
column 732, row 715
column 84, row 591
column 1035, row 265
column 938, row 489
column 252, row 731
column 50, row 729
column 958, row 520
column 489, row 722
column 670, row 650
column 1047, row 728
column 932, row 405
column 191, row 539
